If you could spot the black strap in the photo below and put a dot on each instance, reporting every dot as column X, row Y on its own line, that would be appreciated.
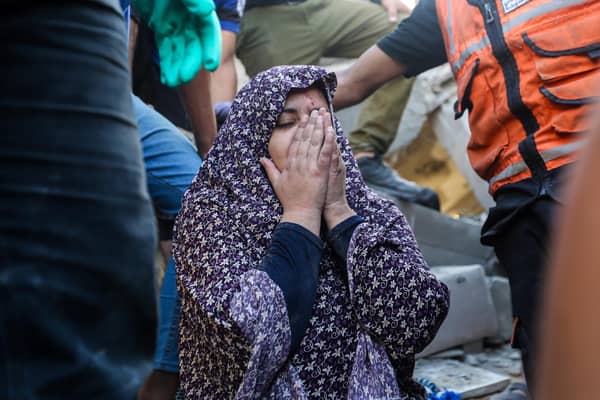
column 532, row 158
column 465, row 101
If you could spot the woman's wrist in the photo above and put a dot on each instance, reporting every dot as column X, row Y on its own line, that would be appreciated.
column 307, row 218
column 337, row 213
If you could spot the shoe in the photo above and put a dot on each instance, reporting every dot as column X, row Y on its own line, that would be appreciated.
column 388, row 183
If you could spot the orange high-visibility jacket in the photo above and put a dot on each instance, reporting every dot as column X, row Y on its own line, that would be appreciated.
column 527, row 71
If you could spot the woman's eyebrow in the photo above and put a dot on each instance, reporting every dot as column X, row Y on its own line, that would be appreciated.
column 289, row 110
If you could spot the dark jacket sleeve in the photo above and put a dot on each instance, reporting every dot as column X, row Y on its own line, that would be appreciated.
column 339, row 237
column 292, row 262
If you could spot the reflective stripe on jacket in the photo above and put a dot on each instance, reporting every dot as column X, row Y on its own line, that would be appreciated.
column 527, row 71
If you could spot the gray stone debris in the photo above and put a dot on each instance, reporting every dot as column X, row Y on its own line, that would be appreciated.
column 500, row 291
column 502, row 360
column 464, row 379
column 472, row 315
column 445, row 240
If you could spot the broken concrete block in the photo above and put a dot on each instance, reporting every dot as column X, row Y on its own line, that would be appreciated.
column 466, row 380
column 472, row 315
column 445, row 240
column 473, row 347
column 502, row 360
column 500, row 291
column 456, row 353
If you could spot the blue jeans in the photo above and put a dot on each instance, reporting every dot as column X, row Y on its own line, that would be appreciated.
column 171, row 164
column 77, row 232
column 167, row 348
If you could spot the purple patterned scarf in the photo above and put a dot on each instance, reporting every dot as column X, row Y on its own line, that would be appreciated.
column 369, row 319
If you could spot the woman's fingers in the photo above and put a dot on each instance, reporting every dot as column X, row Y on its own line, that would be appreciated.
column 326, row 120
column 316, row 142
column 304, row 145
column 334, row 167
column 306, row 150
column 295, row 144
column 327, row 150
column 337, row 164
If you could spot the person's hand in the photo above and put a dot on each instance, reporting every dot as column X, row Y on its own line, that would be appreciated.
column 336, row 208
column 188, row 36
column 302, row 185
column 394, row 7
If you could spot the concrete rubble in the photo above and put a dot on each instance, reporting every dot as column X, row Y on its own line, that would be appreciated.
column 462, row 378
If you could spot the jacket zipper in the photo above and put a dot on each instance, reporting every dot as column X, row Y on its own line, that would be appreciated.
column 489, row 15
column 510, row 71
column 508, row 64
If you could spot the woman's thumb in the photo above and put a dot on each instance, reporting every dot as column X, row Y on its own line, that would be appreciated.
column 270, row 168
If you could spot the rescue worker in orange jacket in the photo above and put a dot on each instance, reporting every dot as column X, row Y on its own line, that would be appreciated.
column 527, row 72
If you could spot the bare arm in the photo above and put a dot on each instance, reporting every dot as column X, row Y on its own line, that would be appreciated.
column 373, row 69
column 133, row 34
column 224, row 79
column 197, row 101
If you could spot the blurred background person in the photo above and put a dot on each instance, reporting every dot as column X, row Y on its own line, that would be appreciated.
column 77, row 236
column 570, row 322
column 78, row 241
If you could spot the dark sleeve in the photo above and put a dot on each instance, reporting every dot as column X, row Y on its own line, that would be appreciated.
column 417, row 42
column 339, row 237
column 228, row 14
column 292, row 262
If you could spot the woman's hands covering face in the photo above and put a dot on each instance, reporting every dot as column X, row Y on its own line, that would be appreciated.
column 303, row 184
column 313, row 182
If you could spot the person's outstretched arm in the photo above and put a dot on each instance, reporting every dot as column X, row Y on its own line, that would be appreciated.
column 373, row 69
column 197, row 100
column 415, row 46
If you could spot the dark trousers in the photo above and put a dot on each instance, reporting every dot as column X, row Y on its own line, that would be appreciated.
column 77, row 234
column 522, row 250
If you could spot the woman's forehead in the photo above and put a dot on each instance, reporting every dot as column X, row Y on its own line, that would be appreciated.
column 311, row 94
